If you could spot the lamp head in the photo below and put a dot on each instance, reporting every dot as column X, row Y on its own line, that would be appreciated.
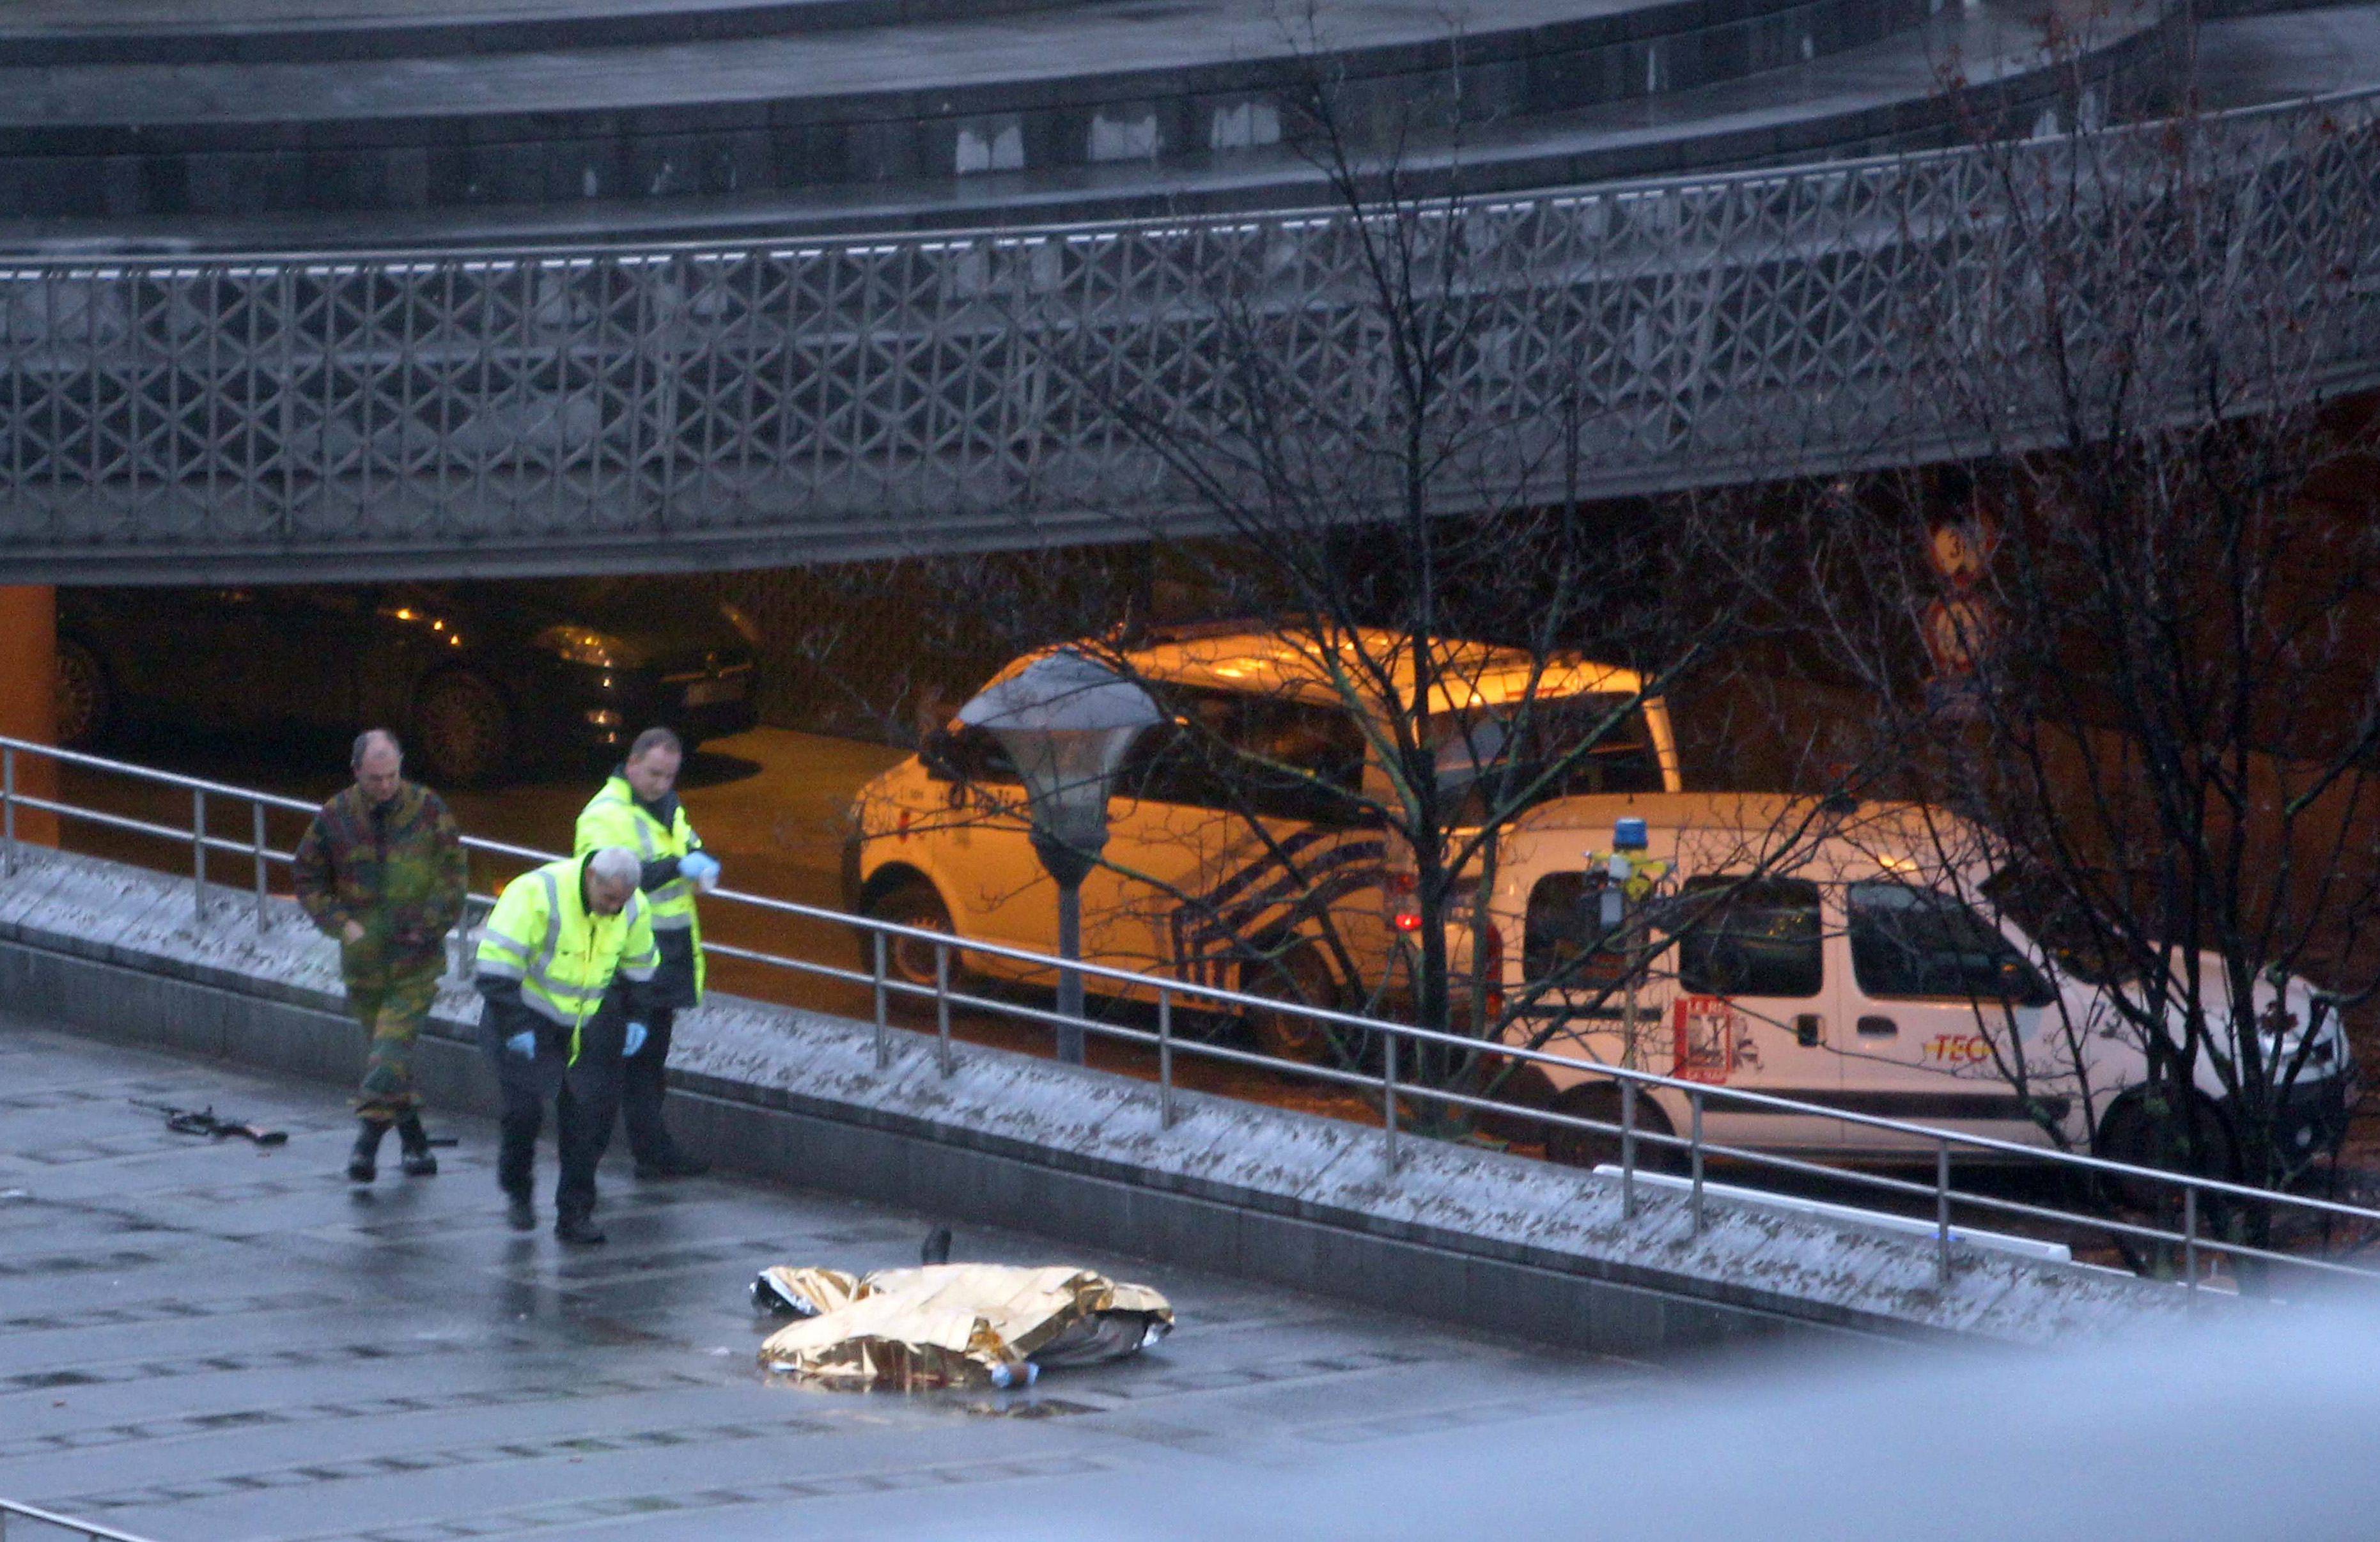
column 1066, row 722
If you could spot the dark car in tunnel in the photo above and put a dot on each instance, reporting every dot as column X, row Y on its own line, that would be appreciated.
column 481, row 679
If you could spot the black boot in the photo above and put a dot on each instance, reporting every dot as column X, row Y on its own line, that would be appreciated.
column 363, row 1162
column 418, row 1162
column 578, row 1229
column 520, row 1211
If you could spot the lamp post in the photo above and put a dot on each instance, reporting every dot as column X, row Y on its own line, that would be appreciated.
column 1066, row 722
column 1629, row 877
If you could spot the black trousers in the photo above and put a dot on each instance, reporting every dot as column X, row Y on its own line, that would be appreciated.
column 585, row 1099
column 643, row 1080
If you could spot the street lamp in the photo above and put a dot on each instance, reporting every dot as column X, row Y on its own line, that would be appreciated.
column 1066, row 722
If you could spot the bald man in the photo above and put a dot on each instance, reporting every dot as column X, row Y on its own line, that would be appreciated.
column 383, row 870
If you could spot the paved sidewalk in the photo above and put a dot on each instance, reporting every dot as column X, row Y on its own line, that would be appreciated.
column 205, row 1341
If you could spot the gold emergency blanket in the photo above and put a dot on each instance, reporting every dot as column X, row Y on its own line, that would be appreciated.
column 952, row 1325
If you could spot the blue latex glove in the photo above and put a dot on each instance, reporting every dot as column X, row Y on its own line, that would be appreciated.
column 523, row 1044
column 700, row 867
column 635, row 1040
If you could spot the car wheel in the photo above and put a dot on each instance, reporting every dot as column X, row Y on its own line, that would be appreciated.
column 1570, row 1147
column 1301, row 976
column 462, row 731
column 2188, row 1135
column 910, row 903
column 85, row 705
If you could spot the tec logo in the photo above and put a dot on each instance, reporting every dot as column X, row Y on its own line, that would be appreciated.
column 1959, row 1048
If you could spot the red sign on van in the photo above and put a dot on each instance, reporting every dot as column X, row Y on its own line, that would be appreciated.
column 1706, row 1033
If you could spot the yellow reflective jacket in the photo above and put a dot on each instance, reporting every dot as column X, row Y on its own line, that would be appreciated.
column 612, row 817
column 541, row 935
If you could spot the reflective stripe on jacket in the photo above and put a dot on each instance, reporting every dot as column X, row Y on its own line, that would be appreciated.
column 612, row 817
column 541, row 934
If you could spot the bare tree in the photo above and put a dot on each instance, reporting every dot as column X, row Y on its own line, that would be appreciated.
column 2132, row 639
column 1380, row 619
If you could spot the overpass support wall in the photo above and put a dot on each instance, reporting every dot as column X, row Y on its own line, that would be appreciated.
column 29, row 666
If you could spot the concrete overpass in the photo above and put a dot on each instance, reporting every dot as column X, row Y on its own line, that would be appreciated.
column 765, row 404
column 411, row 308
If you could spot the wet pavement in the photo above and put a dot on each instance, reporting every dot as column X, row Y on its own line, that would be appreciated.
column 203, row 1340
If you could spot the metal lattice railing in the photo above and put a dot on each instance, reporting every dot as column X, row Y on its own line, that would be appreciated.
column 721, row 406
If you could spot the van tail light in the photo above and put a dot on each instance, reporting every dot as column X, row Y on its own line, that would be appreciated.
column 1494, row 963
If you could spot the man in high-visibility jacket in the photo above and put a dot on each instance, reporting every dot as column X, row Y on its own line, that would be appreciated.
column 638, row 809
column 565, row 966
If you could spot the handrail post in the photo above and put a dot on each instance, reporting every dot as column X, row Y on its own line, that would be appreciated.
column 256, row 807
column 1164, row 1059
column 1627, row 1149
column 942, row 1004
column 883, row 1047
column 8, row 809
column 1942, row 1215
column 198, row 851
column 2190, row 1241
column 462, row 936
column 1698, row 1161
column 1389, row 1106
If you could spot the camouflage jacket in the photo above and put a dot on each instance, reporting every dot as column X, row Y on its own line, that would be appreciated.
column 400, row 870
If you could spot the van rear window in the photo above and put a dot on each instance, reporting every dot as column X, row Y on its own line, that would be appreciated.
column 1560, row 936
column 1741, row 936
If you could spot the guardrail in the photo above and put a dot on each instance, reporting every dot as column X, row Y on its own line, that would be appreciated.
column 46, row 1527
column 2198, row 1196
column 636, row 407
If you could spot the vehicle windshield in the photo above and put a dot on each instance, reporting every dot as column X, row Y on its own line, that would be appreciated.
column 2045, row 912
column 1908, row 941
column 1598, row 742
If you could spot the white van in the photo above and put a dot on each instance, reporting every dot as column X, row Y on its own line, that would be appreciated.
column 1846, row 958
column 1218, row 873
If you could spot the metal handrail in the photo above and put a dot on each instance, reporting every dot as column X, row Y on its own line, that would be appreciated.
column 1167, row 992
column 88, row 1531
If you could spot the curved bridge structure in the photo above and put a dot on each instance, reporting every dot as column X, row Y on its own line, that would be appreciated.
column 711, row 406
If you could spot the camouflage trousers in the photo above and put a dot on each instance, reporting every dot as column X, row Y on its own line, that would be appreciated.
column 392, row 1009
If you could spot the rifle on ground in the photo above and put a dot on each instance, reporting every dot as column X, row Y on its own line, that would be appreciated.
column 202, row 1121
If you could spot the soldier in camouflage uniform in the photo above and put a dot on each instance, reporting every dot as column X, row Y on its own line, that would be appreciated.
column 382, row 868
